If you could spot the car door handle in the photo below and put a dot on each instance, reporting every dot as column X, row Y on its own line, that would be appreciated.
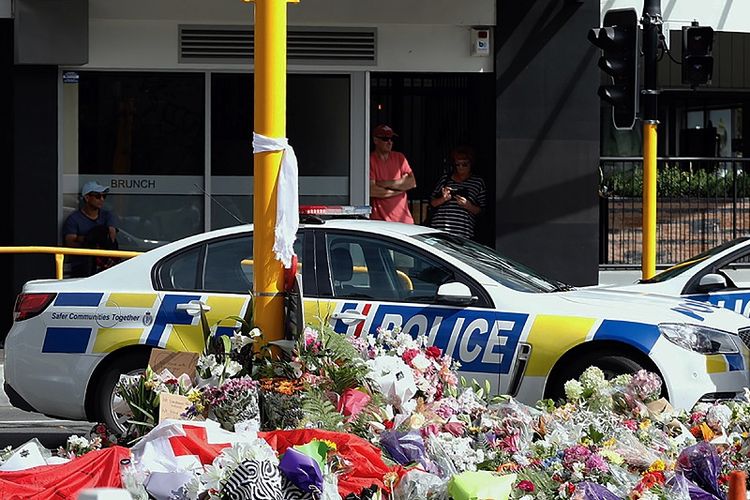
column 194, row 307
column 349, row 317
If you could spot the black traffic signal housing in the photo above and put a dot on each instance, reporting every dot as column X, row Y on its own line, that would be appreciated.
column 618, row 38
column 697, row 58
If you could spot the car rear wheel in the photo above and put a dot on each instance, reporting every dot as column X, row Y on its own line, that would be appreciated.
column 611, row 364
column 109, row 408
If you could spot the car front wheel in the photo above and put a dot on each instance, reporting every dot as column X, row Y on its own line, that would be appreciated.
column 611, row 364
column 110, row 409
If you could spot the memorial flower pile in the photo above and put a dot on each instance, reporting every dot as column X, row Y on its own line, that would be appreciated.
column 336, row 417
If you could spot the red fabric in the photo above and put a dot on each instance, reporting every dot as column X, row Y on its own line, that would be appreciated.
column 367, row 467
column 96, row 469
column 195, row 442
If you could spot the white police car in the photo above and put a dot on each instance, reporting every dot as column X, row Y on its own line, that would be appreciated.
column 525, row 334
column 719, row 276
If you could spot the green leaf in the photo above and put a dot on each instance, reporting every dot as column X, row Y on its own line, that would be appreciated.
column 594, row 435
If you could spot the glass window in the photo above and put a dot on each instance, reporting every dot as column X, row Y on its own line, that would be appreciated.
column 141, row 123
column 227, row 266
column 368, row 268
column 506, row 272
column 318, row 115
column 143, row 136
column 180, row 272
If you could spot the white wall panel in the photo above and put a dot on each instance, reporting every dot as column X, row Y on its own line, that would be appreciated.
column 147, row 44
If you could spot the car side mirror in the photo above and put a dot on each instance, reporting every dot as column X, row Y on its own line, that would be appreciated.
column 455, row 293
column 712, row 282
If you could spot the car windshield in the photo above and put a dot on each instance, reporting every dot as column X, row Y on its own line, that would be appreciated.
column 688, row 264
column 504, row 271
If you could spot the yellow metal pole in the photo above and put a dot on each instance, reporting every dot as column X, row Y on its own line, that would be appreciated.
column 648, row 263
column 270, row 121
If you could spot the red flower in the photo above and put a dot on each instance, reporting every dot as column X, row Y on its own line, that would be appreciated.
column 526, row 486
column 409, row 355
column 433, row 352
column 571, row 488
column 388, row 424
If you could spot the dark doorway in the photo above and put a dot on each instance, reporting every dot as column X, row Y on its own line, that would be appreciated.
column 432, row 113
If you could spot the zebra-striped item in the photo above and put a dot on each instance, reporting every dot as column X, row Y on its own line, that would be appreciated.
column 254, row 480
column 292, row 492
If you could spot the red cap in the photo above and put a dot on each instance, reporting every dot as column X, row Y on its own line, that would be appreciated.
column 384, row 131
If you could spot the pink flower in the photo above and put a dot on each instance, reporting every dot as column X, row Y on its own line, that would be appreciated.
column 311, row 336
column 575, row 454
column 526, row 486
column 429, row 430
column 455, row 428
column 352, row 402
column 630, row 424
column 596, row 463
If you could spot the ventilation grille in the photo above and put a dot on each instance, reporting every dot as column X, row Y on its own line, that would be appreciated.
column 234, row 44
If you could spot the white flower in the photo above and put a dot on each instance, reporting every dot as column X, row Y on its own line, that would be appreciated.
column 421, row 362
column 719, row 416
column 573, row 390
column 593, row 378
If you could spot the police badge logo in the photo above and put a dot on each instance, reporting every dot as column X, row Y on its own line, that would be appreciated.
column 147, row 319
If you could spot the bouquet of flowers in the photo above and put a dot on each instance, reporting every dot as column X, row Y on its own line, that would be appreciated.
column 140, row 394
column 280, row 405
column 76, row 446
column 434, row 374
column 234, row 401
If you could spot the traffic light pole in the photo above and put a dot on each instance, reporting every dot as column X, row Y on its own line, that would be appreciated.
column 652, row 22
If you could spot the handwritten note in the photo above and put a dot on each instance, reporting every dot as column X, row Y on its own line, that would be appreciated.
column 172, row 406
column 176, row 362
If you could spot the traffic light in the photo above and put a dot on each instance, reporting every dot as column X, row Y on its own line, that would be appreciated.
column 697, row 61
column 618, row 40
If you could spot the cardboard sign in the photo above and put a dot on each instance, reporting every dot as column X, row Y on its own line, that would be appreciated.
column 172, row 406
column 176, row 362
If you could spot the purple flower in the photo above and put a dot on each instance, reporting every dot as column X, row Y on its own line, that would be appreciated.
column 574, row 454
column 596, row 463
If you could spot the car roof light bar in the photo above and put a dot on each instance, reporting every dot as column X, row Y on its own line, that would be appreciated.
column 342, row 210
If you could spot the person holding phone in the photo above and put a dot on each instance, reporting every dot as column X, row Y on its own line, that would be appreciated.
column 459, row 196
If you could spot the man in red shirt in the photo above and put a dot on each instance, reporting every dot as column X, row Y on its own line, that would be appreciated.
column 390, row 178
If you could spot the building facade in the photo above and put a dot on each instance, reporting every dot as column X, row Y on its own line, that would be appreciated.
column 154, row 99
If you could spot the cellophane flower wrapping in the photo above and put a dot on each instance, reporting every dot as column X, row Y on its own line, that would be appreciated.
column 234, row 401
column 280, row 403
column 701, row 464
column 420, row 484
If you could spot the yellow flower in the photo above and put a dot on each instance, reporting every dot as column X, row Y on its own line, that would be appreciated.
column 417, row 421
column 645, row 424
column 612, row 456
column 609, row 443
column 658, row 465
column 331, row 445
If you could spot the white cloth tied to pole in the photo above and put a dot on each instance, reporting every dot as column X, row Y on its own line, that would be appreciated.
column 287, row 198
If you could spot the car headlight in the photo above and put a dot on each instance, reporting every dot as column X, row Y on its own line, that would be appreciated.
column 699, row 338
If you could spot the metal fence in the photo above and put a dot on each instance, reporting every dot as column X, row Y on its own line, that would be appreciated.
column 701, row 202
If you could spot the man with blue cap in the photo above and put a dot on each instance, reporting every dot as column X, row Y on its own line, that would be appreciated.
column 90, row 227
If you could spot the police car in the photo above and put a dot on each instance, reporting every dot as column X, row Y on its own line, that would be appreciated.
column 525, row 334
column 719, row 276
